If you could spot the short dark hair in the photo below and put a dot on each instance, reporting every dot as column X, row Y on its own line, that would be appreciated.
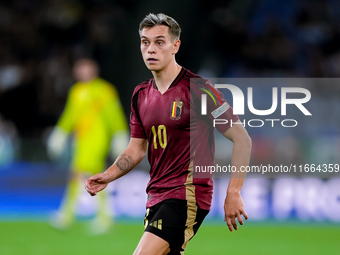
column 152, row 20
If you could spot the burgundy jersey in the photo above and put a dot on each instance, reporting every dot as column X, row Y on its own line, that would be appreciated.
column 179, row 136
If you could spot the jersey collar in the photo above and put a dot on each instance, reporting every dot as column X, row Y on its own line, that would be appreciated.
column 174, row 82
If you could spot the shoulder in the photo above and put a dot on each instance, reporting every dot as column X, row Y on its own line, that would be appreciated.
column 103, row 84
column 136, row 93
column 104, row 88
column 75, row 89
column 141, row 86
column 188, row 74
column 196, row 82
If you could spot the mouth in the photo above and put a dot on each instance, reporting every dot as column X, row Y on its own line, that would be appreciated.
column 152, row 60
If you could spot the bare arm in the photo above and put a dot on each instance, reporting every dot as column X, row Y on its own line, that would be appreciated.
column 129, row 159
column 233, row 205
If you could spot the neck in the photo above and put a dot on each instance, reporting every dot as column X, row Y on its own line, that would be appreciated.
column 87, row 80
column 166, row 76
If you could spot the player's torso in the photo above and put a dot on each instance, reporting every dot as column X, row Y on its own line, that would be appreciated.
column 88, row 102
column 170, row 111
column 168, row 121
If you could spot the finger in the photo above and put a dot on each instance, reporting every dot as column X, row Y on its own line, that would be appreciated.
column 230, row 226
column 239, row 218
column 89, row 182
column 92, row 182
column 88, row 185
column 233, row 221
column 92, row 178
column 90, row 191
column 244, row 214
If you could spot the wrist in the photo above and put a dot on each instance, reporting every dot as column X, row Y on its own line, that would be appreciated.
column 233, row 191
column 109, row 175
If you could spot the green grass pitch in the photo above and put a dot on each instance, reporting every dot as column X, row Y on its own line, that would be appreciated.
column 37, row 238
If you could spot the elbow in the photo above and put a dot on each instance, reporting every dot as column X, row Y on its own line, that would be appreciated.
column 248, row 141
column 244, row 141
column 142, row 154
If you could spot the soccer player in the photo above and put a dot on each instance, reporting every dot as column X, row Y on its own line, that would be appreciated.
column 93, row 113
column 166, row 121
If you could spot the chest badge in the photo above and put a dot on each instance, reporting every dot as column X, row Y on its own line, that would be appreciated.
column 176, row 109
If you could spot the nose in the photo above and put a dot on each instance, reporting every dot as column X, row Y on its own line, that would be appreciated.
column 151, row 49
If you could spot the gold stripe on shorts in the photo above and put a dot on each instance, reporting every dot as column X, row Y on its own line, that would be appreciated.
column 192, row 207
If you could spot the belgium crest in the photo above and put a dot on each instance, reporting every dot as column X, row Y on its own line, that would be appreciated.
column 176, row 109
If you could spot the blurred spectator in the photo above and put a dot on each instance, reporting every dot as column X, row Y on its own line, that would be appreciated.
column 8, row 141
column 10, row 76
column 94, row 115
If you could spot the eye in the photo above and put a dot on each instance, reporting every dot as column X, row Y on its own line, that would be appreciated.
column 160, row 42
column 145, row 42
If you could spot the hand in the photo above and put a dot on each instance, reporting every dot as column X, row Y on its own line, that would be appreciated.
column 234, row 208
column 56, row 143
column 96, row 183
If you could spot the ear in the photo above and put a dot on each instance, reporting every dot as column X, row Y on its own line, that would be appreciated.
column 176, row 45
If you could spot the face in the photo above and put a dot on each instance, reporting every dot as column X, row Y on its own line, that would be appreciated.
column 84, row 72
column 158, row 50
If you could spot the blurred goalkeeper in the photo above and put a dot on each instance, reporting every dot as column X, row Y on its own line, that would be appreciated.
column 94, row 115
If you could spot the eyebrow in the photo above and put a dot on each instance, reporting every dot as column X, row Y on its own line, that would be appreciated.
column 157, row 37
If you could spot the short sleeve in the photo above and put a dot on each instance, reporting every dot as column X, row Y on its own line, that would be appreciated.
column 216, row 106
column 136, row 126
